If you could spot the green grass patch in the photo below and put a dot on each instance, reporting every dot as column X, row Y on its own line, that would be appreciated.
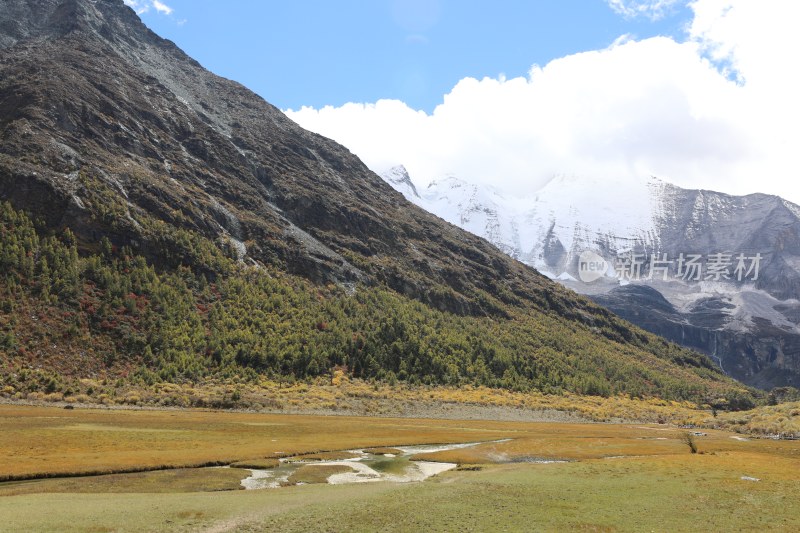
column 394, row 466
column 683, row 493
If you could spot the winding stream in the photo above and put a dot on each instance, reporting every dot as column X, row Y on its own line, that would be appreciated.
column 365, row 467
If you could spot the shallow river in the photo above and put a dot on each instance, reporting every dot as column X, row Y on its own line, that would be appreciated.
column 365, row 467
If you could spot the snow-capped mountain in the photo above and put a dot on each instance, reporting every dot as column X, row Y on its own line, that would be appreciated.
column 543, row 230
column 716, row 272
column 480, row 210
column 398, row 178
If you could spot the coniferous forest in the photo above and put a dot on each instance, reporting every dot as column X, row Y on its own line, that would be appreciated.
column 207, row 314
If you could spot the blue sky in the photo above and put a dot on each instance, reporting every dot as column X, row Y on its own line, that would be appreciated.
column 324, row 52
column 512, row 93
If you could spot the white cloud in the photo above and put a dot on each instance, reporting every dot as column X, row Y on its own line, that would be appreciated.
column 143, row 6
column 140, row 6
column 162, row 8
column 652, row 9
column 718, row 110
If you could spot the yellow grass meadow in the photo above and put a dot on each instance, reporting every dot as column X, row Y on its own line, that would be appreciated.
column 521, row 476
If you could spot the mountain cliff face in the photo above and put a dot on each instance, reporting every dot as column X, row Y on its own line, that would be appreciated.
column 210, row 233
column 740, row 307
column 93, row 102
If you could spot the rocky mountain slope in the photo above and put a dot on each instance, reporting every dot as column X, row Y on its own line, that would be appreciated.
column 97, row 104
column 167, row 223
column 741, row 307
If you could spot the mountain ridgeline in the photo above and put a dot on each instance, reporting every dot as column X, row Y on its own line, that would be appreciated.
column 747, row 319
column 164, row 224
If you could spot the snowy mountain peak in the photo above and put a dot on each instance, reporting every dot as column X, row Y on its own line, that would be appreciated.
column 749, row 322
column 571, row 214
column 468, row 195
column 398, row 177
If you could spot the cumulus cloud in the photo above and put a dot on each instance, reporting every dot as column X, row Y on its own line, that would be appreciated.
column 162, row 8
column 140, row 6
column 715, row 110
column 143, row 6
